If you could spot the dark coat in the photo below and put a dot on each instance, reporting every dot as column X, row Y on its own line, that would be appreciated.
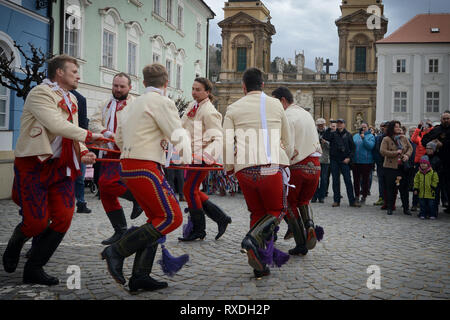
column 83, row 121
column 341, row 144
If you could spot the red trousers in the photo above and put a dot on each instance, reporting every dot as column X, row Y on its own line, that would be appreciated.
column 147, row 183
column 264, row 192
column 110, row 186
column 305, row 177
column 43, row 191
column 191, row 189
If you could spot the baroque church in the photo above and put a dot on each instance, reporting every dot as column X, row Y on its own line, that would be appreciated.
column 350, row 94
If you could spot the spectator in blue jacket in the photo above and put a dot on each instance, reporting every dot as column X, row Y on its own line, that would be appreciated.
column 362, row 161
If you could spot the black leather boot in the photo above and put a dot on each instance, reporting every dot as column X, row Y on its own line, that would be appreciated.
column 307, row 218
column 298, row 232
column 289, row 233
column 119, row 223
column 137, row 210
column 199, row 223
column 217, row 215
column 12, row 253
column 82, row 208
column 142, row 267
column 130, row 243
column 261, row 231
column 260, row 274
column 43, row 250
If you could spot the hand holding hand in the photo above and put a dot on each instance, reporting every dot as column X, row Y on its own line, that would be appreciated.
column 89, row 158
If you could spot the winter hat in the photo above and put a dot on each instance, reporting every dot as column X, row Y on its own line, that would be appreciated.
column 425, row 159
column 431, row 145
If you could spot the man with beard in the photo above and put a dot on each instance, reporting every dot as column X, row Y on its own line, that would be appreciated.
column 105, row 121
column 441, row 135
column 48, row 155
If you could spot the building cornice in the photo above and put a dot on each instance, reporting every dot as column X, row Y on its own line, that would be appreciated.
column 25, row 11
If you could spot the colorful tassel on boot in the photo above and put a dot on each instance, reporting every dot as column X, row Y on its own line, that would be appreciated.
column 170, row 265
column 267, row 253
column 319, row 232
column 279, row 257
column 188, row 227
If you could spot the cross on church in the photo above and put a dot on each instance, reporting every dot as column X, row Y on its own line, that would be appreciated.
column 327, row 64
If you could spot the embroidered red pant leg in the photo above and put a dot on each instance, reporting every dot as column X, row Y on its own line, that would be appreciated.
column 191, row 189
column 43, row 191
column 110, row 185
column 263, row 193
column 305, row 177
column 147, row 182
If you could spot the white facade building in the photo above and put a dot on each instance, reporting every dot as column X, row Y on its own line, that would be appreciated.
column 413, row 81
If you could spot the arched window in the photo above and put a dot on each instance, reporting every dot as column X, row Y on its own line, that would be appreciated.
column 111, row 20
column 6, row 52
column 241, row 45
column 158, row 46
column 134, row 32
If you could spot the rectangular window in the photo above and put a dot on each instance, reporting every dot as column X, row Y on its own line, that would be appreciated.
column 432, row 102
column 169, row 11
column 199, row 33
column 180, row 18
column 132, row 58
column 72, row 36
column 178, row 76
column 108, row 49
column 157, row 7
column 400, row 99
column 401, row 65
column 169, row 70
column 360, row 61
column 433, row 66
column 3, row 108
column 241, row 59
column 155, row 58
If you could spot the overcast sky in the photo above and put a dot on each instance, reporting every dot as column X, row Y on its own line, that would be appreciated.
column 309, row 25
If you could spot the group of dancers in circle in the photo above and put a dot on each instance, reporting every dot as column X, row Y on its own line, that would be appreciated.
column 135, row 137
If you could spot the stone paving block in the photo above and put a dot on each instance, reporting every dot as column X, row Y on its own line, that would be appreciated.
column 335, row 269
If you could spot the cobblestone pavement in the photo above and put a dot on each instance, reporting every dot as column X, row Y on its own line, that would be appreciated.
column 413, row 257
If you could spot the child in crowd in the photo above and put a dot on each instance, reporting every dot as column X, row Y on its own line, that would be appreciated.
column 425, row 184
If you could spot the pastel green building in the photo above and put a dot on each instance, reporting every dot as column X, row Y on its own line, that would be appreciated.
column 108, row 37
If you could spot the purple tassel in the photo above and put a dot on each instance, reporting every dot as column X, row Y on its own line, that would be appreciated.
column 170, row 264
column 279, row 257
column 319, row 232
column 187, row 228
column 161, row 240
column 267, row 253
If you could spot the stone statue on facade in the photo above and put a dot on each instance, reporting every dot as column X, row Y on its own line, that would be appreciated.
column 280, row 63
column 300, row 62
column 319, row 65
column 359, row 120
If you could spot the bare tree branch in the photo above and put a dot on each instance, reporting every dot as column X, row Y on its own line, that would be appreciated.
column 32, row 75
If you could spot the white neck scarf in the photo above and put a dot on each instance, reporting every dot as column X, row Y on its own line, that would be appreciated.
column 55, row 87
column 57, row 142
column 153, row 89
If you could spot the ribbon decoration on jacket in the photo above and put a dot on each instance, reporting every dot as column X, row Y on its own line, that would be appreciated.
column 64, row 147
column 262, row 110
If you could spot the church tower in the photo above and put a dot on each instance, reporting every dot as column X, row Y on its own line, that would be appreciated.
column 362, row 24
column 246, row 38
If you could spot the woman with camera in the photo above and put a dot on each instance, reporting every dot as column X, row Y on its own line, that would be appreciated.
column 396, row 150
